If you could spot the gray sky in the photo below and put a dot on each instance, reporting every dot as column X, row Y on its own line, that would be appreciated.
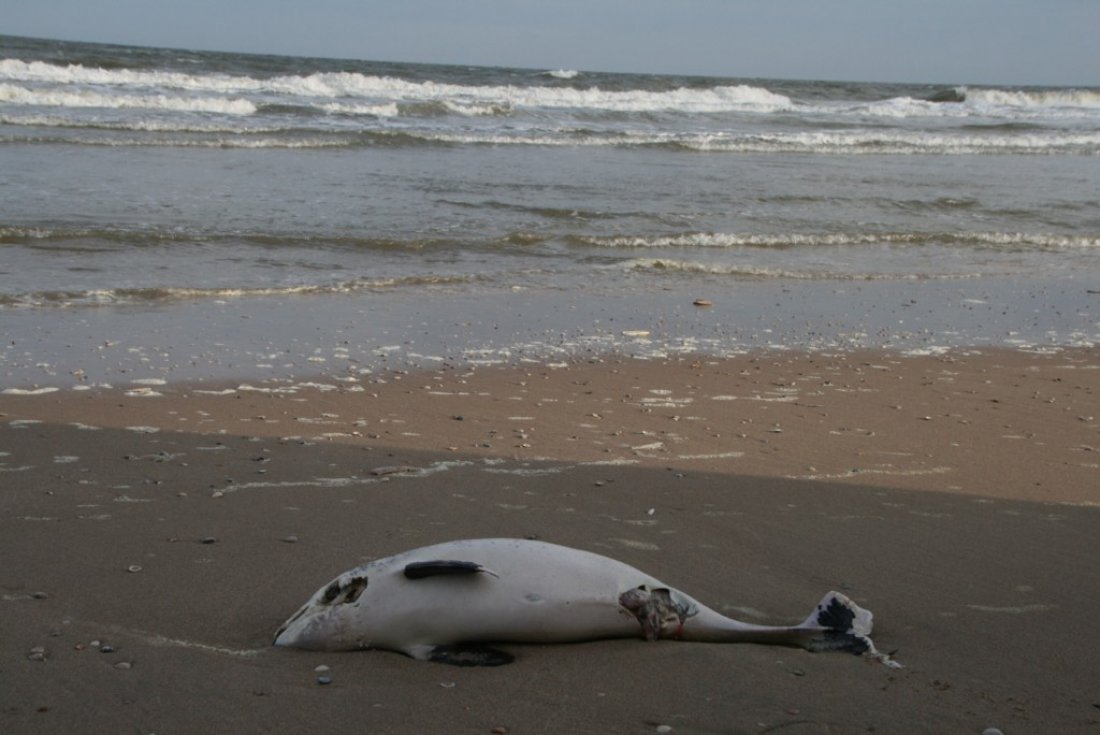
column 938, row 41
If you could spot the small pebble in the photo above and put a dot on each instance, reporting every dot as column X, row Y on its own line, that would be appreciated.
column 447, row 684
column 106, row 648
column 290, row 539
column 321, row 669
column 208, row 540
column 133, row 568
column 38, row 653
column 124, row 665
column 323, row 680
column 664, row 728
column 39, row 595
column 992, row 731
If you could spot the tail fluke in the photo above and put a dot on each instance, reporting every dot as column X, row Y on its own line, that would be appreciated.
column 843, row 626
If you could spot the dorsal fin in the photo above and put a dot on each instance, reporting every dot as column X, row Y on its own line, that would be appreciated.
column 422, row 569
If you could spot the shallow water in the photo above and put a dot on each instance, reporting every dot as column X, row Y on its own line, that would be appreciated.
column 153, row 192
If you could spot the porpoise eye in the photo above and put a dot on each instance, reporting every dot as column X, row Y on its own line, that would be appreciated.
column 332, row 591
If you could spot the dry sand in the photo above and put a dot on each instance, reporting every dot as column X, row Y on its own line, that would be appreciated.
column 954, row 495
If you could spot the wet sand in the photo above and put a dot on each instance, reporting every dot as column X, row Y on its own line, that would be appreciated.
column 178, row 525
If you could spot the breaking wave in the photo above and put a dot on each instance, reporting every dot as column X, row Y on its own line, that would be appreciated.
column 673, row 266
column 163, row 294
column 1057, row 98
column 14, row 94
column 329, row 86
column 217, row 133
column 792, row 240
column 43, row 102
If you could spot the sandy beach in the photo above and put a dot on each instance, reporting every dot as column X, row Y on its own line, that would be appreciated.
column 156, row 534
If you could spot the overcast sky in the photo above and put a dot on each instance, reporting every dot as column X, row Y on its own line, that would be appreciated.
column 938, row 41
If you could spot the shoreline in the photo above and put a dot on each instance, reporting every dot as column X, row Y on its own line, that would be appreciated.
column 918, row 421
column 349, row 336
column 180, row 529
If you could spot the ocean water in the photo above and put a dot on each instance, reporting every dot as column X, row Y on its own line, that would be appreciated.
column 197, row 214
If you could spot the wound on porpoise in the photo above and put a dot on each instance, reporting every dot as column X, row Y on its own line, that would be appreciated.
column 351, row 590
column 355, row 588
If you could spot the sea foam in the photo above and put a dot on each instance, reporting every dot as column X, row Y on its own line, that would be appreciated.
column 14, row 94
column 330, row 86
